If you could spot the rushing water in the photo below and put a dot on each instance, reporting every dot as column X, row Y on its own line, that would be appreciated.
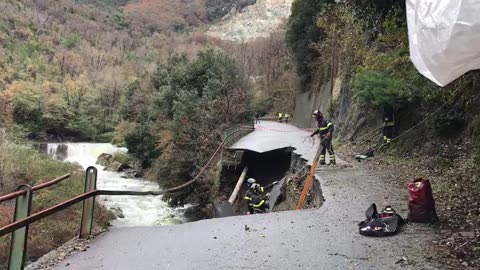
column 130, row 210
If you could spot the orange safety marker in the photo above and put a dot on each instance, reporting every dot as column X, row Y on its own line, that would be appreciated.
column 308, row 182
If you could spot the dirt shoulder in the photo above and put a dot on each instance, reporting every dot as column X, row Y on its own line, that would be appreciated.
column 349, row 191
column 456, row 186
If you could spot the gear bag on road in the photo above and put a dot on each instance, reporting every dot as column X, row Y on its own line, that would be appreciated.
column 421, row 204
column 385, row 223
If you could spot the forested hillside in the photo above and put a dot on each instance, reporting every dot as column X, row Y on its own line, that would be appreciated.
column 67, row 66
column 364, row 45
column 118, row 71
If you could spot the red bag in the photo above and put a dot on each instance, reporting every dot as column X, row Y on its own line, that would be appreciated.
column 420, row 202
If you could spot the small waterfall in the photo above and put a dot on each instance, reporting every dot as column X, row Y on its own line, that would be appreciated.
column 130, row 210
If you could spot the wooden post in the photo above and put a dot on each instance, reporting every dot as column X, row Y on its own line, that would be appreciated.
column 238, row 186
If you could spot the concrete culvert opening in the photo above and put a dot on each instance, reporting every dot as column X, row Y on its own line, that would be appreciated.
column 281, row 165
column 269, row 166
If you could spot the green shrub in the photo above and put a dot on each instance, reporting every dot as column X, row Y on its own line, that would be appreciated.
column 28, row 106
column 121, row 131
column 449, row 123
column 141, row 143
column 106, row 137
column 71, row 41
column 120, row 21
column 378, row 88
column 3, row 27
column 195, row 100
column 81, row 127
column 123, row 158
column 261, row 103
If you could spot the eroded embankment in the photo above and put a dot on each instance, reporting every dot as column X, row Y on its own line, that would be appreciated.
column 283, row 166
column 294, row 184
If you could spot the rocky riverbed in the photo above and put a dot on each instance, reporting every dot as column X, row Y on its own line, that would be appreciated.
column 131, row 168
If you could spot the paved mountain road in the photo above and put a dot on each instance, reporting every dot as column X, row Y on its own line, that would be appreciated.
column 324, row 238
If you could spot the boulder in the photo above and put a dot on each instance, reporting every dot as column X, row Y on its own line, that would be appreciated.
column 129, row 173
column 138, row 169
column 115, row 166
column 117, row 211
column 104, row 159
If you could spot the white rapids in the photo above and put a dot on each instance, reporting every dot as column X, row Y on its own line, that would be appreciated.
column 130, row 210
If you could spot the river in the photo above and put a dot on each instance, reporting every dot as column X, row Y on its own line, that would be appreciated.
column 130, row 210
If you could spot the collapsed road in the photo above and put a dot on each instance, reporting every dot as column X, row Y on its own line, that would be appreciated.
column 323, row 238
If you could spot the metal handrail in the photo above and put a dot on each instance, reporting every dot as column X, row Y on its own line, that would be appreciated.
column 235, row 132
column 45, row 213
column 23, row 218
column 54, row 209
column 16, row 194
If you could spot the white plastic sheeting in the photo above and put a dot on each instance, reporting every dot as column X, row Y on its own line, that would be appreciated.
column 444, row 37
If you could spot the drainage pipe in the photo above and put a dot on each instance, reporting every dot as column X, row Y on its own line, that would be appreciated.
column 238, row 186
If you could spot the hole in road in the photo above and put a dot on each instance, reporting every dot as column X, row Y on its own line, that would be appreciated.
column 281, row 165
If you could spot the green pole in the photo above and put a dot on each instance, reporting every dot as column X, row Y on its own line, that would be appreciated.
column 18, row 248
column 88, row 204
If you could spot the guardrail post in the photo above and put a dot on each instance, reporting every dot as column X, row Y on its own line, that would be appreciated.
column 18, row 247
column 88, row 204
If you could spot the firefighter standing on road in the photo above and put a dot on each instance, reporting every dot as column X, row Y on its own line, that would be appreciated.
column 280, row 117
column 287, row 117
column 389, row 124
column 257, row 118
column 325, row 130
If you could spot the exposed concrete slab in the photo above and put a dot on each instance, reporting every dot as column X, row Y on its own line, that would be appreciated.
column 270, row 136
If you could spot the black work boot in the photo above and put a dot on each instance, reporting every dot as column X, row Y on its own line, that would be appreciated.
column 322, row 162
column 333, row 162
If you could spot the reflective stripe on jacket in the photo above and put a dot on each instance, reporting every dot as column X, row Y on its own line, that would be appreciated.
column 324, row 127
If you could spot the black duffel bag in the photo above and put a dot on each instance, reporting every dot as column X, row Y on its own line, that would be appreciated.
column 385, row 223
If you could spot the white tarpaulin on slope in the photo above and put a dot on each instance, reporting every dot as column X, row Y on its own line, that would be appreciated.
column 444, row 37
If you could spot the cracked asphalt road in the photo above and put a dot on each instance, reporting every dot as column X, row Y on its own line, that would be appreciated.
column 324, row 238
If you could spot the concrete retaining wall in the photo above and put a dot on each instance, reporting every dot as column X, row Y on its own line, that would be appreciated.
column 315, row 99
